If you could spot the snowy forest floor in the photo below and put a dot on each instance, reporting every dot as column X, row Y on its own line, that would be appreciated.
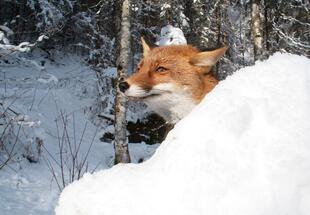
column 65, row 88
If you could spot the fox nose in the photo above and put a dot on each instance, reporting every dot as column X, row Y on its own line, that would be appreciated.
column 123, row 86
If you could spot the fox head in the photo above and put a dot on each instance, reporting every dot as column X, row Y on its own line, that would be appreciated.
column 172, row 76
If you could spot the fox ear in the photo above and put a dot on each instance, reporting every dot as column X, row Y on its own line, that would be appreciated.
column 145, row 46
column 208, row 58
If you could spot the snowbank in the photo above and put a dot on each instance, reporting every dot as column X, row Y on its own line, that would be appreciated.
column 244, row 150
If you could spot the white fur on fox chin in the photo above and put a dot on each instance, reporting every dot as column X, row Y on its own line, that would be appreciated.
column 171, row 102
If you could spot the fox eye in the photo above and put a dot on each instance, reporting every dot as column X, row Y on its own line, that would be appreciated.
column 161, row 69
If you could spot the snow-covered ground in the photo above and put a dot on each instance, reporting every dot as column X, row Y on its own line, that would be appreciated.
column 65, row 85
column 244, row 150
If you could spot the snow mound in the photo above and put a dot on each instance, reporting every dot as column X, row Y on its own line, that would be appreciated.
column 170, row 35
column 244, row 150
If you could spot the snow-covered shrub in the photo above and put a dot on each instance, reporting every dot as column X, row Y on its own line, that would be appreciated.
column 49, row 13
column 17, row 137
column 17, row 130
column 170, row 35
column 7, row 49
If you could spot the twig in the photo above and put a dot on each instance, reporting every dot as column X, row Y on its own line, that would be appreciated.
column 89, row 148
column 12, row 150
column 35, row 89
column 51, row 155
column 50, row 166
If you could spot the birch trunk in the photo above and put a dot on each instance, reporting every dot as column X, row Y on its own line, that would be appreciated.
column 120, row 142
column 257, row 33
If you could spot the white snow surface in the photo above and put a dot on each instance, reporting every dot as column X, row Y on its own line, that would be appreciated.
column 170, row 35
column 244, row 150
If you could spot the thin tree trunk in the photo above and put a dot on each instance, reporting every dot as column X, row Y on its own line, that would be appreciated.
column 120, row 143
column 218, row 15
column 257, row 33
column 266, row 25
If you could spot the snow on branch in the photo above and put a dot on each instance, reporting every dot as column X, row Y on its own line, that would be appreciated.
column 170, row 35
column 291, row 40
column 6, row 48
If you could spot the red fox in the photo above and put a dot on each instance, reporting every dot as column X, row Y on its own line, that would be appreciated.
column 172, row 80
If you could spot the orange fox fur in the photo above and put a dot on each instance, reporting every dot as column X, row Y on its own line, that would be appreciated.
column 172, row 80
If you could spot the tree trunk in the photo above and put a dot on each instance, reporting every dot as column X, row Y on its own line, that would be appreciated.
column 120, row 142
column 257, row 33
column 266, row 25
